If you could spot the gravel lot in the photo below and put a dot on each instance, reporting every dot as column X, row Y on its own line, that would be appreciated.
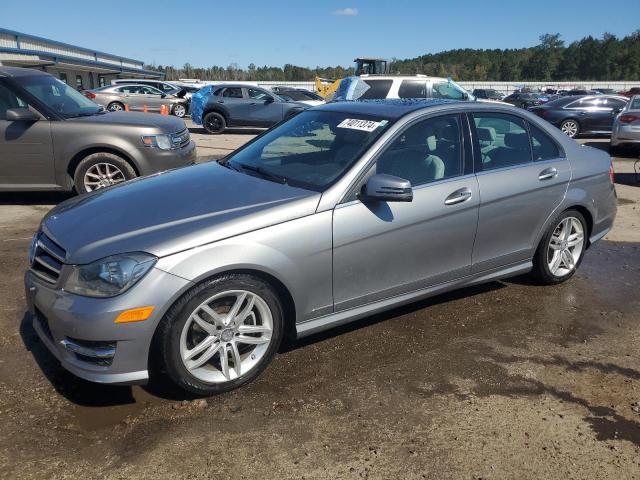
column 505, row 380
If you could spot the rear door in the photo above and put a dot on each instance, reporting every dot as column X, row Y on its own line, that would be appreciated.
column 26, row 148
column 523, row 176
column 263, row 112
column 153, row 98
column 234, row 102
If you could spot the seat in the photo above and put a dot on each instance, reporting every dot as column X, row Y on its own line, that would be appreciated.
column 487, row 140
column 516, row 147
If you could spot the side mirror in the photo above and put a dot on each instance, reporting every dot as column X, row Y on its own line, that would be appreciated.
column 269, row 100
column 164, row 95
column 21, row 115
column 387, row 188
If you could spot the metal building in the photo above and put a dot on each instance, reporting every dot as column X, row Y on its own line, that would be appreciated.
column 79, row 67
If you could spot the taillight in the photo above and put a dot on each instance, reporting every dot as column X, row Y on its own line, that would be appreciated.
column 628, row 118
column 612, row 174
column 89, row 95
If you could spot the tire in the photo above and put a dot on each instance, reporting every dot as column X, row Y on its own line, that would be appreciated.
column 179, row 110
column 214, row 123
column 115, row 107
column 543, row 261
column 570, row 127
column 112, row 168
column 179, row 334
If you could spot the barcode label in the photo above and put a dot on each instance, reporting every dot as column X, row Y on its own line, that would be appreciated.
column 364, row 125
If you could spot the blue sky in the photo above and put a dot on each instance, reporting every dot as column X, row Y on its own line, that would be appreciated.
column 308, row 33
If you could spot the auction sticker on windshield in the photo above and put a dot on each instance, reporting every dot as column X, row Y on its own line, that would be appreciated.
column 364, row 125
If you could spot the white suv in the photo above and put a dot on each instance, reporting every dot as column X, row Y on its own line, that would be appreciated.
column 412, row 86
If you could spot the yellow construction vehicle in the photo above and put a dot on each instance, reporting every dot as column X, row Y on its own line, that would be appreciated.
column 364, row 66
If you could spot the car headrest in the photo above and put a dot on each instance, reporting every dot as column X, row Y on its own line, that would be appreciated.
column 432, row 143
column 518, row 141
column 486, row 134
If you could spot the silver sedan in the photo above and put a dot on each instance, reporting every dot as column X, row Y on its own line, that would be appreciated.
column 343, row 211
column 626, row 126
column 138, row 97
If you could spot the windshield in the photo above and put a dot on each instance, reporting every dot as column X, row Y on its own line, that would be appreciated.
column 448, row 89
column 58, row 96
column 312, row 150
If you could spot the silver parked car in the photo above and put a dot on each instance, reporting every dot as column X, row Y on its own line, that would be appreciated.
column 345, row 210
column 136, row 97
column 626, row 126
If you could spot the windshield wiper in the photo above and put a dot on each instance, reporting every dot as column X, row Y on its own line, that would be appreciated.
column 264, row 173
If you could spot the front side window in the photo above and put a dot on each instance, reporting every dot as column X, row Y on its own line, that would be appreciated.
column 232, row 92
column 503, row 140
column 129, row 89
column 313, row 150
column 257, row 94
column 378, row 89
column 413, row 89
column 58, row 96
column 425, row 152
column 150, row 91
column 542, row 146
column 448, row 90
column 8, row 100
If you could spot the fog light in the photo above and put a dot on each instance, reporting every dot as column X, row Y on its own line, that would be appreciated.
column 134, row 315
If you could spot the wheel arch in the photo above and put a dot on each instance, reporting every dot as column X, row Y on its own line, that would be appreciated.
column 79, row 156
column 215, row 109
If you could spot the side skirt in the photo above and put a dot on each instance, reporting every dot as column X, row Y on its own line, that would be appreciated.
column 309, row 327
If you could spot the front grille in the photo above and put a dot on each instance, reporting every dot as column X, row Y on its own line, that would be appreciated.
column 48, row 259
column 180, row 139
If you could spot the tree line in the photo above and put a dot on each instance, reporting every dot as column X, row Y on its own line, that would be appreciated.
column 601, row 59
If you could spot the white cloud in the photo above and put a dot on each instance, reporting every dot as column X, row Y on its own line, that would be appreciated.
column 346, row 12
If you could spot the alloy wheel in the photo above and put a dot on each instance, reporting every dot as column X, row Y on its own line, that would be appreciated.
column 226, row 336
column 115, row 107
column 570, row 128
column 213, row 123
column 565, row 246
column 102, row 175
column 179, row 110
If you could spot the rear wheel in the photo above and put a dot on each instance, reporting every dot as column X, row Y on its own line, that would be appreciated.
column 101, row 170
column 115, row 107
column 562, row 248
column 570, row 127
column 179, row 110
column 220, row 335
column 214, row 123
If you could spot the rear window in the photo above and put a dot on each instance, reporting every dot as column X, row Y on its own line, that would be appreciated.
column 377, row 89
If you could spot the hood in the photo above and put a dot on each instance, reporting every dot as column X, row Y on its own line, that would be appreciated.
column 166, row 123
column 172, row 211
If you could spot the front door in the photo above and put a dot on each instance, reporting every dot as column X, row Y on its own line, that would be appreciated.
column 261, row 111
column 26, row 148
column 384, row 249
column 523, row 177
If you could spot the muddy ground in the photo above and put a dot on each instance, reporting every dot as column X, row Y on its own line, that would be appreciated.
column 504, row 380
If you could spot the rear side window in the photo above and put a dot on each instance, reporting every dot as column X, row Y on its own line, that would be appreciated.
column 542, row 146
column 377, row 89
column 503, row 139
column 413, row 89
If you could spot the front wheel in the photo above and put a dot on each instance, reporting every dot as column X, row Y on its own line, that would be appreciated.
column 570, row 127
column 179, row 110
column 221, row 335
column 101, row 170
column 115, row 107
column 561, row 249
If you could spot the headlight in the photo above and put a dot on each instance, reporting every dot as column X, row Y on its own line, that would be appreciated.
column 109, row 276
column 163, row 142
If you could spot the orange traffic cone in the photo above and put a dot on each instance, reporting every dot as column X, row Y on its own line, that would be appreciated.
column 164, row 110
column 126, row 107
column 144, row 109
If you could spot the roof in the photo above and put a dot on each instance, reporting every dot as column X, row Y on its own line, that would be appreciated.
column 391, row 108
column 20, row 72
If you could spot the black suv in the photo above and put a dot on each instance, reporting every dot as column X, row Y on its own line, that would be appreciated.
column 487, row 93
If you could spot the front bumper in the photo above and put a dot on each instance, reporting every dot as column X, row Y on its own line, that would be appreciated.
column 155, row 160
column 81, row 333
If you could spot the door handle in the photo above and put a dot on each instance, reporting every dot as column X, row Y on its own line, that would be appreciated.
column 459, row 196
column 548, row 173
